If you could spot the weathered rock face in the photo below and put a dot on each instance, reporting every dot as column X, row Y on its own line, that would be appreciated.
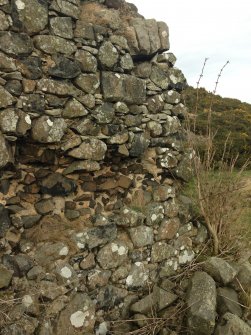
column 92, row 155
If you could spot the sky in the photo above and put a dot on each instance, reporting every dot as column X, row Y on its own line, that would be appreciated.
column 216, row 29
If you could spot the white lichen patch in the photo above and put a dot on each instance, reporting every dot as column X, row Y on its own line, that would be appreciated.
column 27, row 300
column 102, row 329
column 78, row 319
column 121, row 250
column 66, row 272
column 129, row 280
column 117, row 75
column 27, row 119
column 154, row 217
column 20, row 4
column 164, row 33
column 126, row 211
column 186, row 257
column 49, row 122
column 64, row 251
column 80, row 245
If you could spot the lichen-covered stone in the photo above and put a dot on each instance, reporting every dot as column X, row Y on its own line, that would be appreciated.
column 138, row 276
column 6, row 99
column 161, row 251
column 5, row 276
column 93, row 149
column 64, row 68
column 122, row 87
column 201, row 301
column 88, row 62
column 108, row 55
column 62, row 27
column 74, row 108
column 15, row 44
column 89, row 83
column 60, row 88
column 104, row 114
column 46, row 130
column 68, row 8
column 7, row 64
column 4, row 21
column 112, row 255
column 141, row 236
column 159, row 77
column 32, row 14
column 54, row 44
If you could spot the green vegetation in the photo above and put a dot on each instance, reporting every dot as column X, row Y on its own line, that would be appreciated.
column 230, row 118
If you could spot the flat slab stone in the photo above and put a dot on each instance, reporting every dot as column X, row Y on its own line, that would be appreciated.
column 53, row 44
column 15, row 44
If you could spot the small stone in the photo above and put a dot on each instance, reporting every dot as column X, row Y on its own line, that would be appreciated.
column 5, row 153
column 227, row 301
column 161, row 251
column 4, row 22
column 112, row 255
column 168, row 229
column 6, row 99
column 141, row 236
column 139, row 144
column 89, row 83
column 45, row 206
column 50, row 290
column 159, row 77
column 8, row 121
column 108, row 55
column 88, row 62
column 74, row 108
column 62, row 27
column 44, row 130
column 104, row 114
column 28, row 221
column 244, row 275
column 92, row 149
column 86, row 165
column 57, row 185
column 64, row 68
column 65, row 7
column 220, row 270
column 126, row 62
column 98, row 278
column 5, row 276
column 7, row 64
column 94, row 237
column 138, row 276
column 88, row 262
column 84, row 30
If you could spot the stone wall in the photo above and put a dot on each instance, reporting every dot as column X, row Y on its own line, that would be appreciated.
column 92, row 157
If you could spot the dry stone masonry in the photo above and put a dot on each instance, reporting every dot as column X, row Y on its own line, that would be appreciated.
column 92, row 158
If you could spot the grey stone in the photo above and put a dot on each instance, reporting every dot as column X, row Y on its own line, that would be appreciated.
column 72, row 214
column 163, row 193
column 74, row 108
column 97, row 236
column 164, row 36
column 14, row 87
column 7, row 64
column 143, row 70
column 141, row 236
column 8, row 120
column 171, row 97
column 220, row 270
column 5, row 276
column 5, row 155
column 154, row 213
column 45, row 130
column 130, row 217
column 171, row 126
column 45, row 206
column 120, row 41
column 34, row 103
column 54, row 44
column 46, row 253
column 50, row 290
column 5, row 221
column 227, row 301
column 89, row 83
column 231, row 324
column 60, row 88
column 29, row 221
column 56, row 184
column 122, row 87
column 88, row 62
column 167, row 57
column 138, row 276
column 84, row 30
column 68, row 8
column 4, row 21
column 6, row 99
column 86, row 165
column 32, row 14
column 159, row 77
column 112, row 255
column 161, row 251
column 126, row 62
column 104, row 114
column 92, row 149
column 108, row 55
column 64, row 68
column 15, row 44
column 201, row 301
column 244, row 275
column 62, row 26
column 139, row 144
